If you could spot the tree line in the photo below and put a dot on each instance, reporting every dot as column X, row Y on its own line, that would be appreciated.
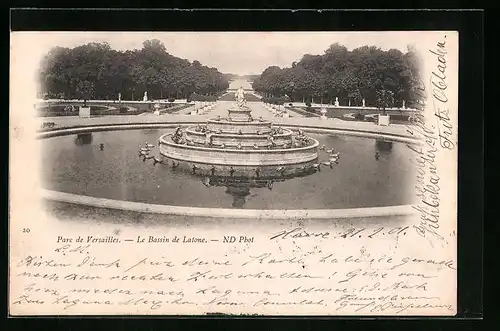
column 364, row 73
column 96, row 71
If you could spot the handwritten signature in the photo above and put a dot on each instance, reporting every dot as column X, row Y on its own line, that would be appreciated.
column 434, row 135
column 440, row 98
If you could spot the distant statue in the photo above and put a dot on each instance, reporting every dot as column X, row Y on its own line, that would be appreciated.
column 145, row 97
column 364, row 102
column 336, row 101
column 404, row 104
column 240, row 97
column 119, row 97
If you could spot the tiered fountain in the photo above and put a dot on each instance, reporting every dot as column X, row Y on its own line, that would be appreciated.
column 240, row 152
column 239, row 145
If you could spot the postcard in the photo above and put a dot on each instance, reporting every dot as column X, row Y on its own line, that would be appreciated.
column 234, row 173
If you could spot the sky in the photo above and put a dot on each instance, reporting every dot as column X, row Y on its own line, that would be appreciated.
column 239, row 53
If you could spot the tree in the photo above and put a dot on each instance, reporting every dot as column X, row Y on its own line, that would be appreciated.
column 132, row 72
column 85, row 90
column 355, row 97
column 154, row 45
column 349, row 75
column 385, row 99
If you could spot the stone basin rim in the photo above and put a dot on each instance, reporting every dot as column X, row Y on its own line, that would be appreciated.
column 164, row 141
column 238, row 123
column 276, row 214
column 287, row 132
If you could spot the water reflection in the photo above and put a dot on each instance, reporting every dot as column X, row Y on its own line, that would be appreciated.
column 383, row 146
column 239, row 188
column 83, row 139
column 117, row 172
column 239, row 194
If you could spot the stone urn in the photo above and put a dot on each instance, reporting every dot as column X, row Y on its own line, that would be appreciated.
column 323, row 112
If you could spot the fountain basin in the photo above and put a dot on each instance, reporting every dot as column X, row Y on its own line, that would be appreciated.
column 236, row 157
column 344, row 191
column 245, row 140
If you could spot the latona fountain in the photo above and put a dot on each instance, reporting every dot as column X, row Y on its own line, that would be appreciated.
column 240, row 145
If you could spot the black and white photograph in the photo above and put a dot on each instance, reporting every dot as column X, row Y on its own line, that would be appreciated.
column 269, row 173
column 230, row 128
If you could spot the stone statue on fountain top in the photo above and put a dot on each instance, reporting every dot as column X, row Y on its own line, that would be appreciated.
column 240, row 97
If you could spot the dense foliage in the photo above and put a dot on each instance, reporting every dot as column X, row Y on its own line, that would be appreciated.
column 346, row 75
column 96, row 71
